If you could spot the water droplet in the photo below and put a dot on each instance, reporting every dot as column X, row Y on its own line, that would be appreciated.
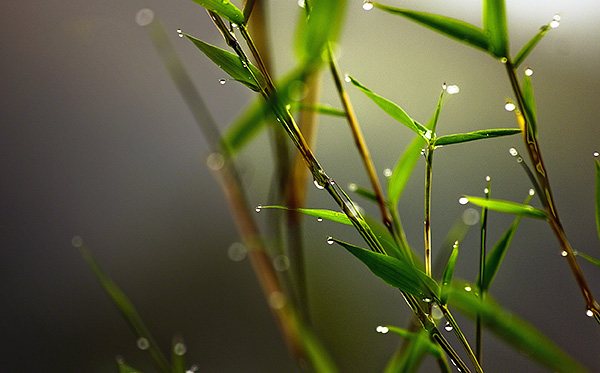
column 319, row 219
column 428, row 134
column 258, row 208
column 555, row 21
column 301, row 3
column 222, row 81
column 215, row 161
column 347, row 78
column 455, row 244
column 486, row 190
column 528, row 71
column 596, row 154
column 487, row 178
column 510, row 106
column 180, row 33
column 281, row 263
column 277, row 300
column 193, row 368
column 504, row 60
column 556, row 17
column 444, row 86
column 382, row 329
column 352, row 187
column 448, row 327
column 234, row 25
column 367, row 5
column 143, row 343
column 179, row 349
column 468, row 288
column 589, row 313
column 144, row 17
column 319, row 186
column 77, row 241
column 531, row 192
column 470, row 216
column 463, row 200
column 387, row 172
column 452, row 89
column 564, row 253
column 427, row 300
column 513, row 152
column 237, row 252
column 330, row 240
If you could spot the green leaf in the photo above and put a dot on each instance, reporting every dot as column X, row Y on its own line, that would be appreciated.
column 448, row 274
column 594, row 261
column 225, row 9
column 363, row 192
column 494, row 24
column 320, row 109
column 124, row 368
column 403, row 169
column 178, row 350
column 395, row 272
column 394, row 111
column 530, row 106
column 430, row 347
column 495, row 257
column 460, row 30
column 385, row 238
column 248, row 125
column 315, row 351
column 597, row 196
column 513, row 330
column 318, row 29
column 508, row 207
column 335, row 216
column 232, row 65
column 476, row 135
column 527, row 48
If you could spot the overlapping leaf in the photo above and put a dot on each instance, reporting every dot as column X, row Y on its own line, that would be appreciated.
column 225, row 9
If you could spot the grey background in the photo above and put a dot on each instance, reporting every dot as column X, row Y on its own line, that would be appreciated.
column 97, row 142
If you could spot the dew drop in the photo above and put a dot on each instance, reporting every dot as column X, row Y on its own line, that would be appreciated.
column 215, row 161
column 387, row 172
column 237, row 252
column 427, row 300
column 455, row 244
column 367, row 5
column 301, row 3
column 347, row 78
column 143, row 343
column 179, row 33
column 486, row 190
column 448, row 327
column 463, row 200
column 555, row 21
column 509, row 106
column 468, row 288
column 193, row 368
column 444, row 86
column 428, row 134
column 281, row 263
column 319, row 219
column 222, row 81
column 352, row 187
column 531, row 192
column 319, row 186
column 258, row 208
column 596, row 154
column 330, row 240
column 564, row 253
column 528, row 71
column 452, row 89
column 382, row 329
column 144, row 17
column 487, row 178
column 504, row 60
column 470, row 216
column 179, row 349
column 77, row 241
column 589, row 313
column 277, row 300
column 513, row 152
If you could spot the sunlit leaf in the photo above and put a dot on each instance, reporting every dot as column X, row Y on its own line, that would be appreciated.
column 513, row 330
column 494, row 24
column 335, row 216
column 393, row 110
column 527, row 48
column 395, row 272
column 403, row 169
column 225, row 9
column 476, row 135
column 460, row 30
column 530, row 106
column 448, row 274
column 232, row 65
column 508, row 207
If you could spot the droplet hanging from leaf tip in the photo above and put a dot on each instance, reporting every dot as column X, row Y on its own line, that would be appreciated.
column 382, row 329
column 510, row 106
column 564, row 253
column 596, row 154
column 463, row 200
column 452, row 89
column 367, row 5
column 513, row 152
column 555, row 21
column 330, row 240
column 179, row 33
column 528, row 71
column 258, row 208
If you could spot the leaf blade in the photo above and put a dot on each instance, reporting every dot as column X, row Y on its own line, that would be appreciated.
column 494, row 24
column 508, row 207
column 403, row 169
column 330, row 215
column 448, row 274
column 225, row 9
column 527, row 48
column 529, row 100
column 475, row 135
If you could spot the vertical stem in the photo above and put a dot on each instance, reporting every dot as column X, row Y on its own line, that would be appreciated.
column 427, row 221
column 484, row 211
column 461, row 337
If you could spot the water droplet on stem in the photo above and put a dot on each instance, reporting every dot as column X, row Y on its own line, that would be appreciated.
column 319, row 186
column 589, row 313
column 510, row 106
column 222, row 81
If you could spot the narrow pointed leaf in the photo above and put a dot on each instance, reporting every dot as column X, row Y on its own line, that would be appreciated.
column 247, row 126
column 513, row 330
column 494, row 24
column 594, row 261
column 335, row 216
column 454, row 28
column 364, row 192
column 403, row 169
column 430, row 347
column 395, row 272
column 178, row 350
column 597, row 196
column 448, row 274
column 472, row 136
column 232, row 65
column 320, row 109
column 394, row 111
column 225, row 9
column 385, row 238
column 124, row 368
column 508, row 207
column 527, row 48
column 530, row 106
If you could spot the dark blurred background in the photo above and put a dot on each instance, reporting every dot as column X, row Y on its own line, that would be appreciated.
column 97, row 142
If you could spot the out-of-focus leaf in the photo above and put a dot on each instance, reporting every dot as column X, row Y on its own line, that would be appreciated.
column 232, row 65
column 318, row 356
column 246, row 126
column 335, row 216
column 124, row 368
column 403, row 169
column 530, row 106
column 178, row 350
column 588, row 258
column 322, row 26
column 320, row 109
column 364, row 192
column 513, row 330
column 394, row 111
column 448, row 274
column 597, row 196
column 385, row 238
column 476, row 135
column 494, row 24
column 508, row 207
column 396, row 273
column 225, row 9
column 527, row 48
column 410, row 358
column 460, row 30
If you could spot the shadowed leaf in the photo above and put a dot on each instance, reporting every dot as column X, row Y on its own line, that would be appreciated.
column 403, row 169
column 225, row 9
column 508, row 207
column 472, row 136
column 494, row 24
column 247, row 126
column 527, row 48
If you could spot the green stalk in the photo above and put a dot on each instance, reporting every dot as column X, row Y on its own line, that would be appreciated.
column 427, row 221
column 461, row 337
column 482, row 255
column 593, row 309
